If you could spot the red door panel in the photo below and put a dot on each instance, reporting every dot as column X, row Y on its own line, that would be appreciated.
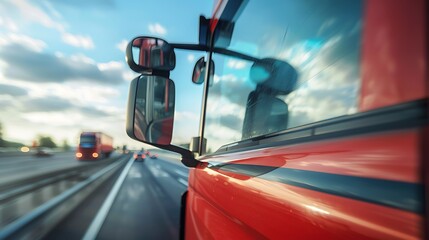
column 394, row 54
column 287, row 192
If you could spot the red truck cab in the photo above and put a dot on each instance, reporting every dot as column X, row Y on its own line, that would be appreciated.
column 94, row 145
column 314, row 124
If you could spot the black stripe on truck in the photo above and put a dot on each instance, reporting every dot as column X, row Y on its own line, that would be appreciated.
column 396, row 194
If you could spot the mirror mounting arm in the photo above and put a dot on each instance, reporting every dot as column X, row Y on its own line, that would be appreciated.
column 188, row 158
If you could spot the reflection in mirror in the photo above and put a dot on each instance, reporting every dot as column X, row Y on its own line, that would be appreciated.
column 148, row 53
column 154, row 110
column 199, row 72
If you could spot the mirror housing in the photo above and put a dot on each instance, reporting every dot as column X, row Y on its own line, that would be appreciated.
column 199, row 72
column 150, row 54
column 150, row 114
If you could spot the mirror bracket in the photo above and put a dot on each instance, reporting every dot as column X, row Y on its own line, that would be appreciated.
column 194, row 146
column 188, row 158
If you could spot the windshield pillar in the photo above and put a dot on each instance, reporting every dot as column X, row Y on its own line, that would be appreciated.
column 201, row 145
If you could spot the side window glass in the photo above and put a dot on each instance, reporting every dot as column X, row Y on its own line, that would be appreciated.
column 229, row 91
column 311, row 71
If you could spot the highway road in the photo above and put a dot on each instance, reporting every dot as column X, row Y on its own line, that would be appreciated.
column 144, row 204
column 14, row 167
column 139, row 201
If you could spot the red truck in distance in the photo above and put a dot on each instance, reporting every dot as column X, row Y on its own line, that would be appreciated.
column 94, row 145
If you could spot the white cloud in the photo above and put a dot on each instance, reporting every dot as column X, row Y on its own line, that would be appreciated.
column 9, row 24
column 29, row 42
column 37, row 15
column 222, row 134
column 224, row 122
column 77, row 40
column 80, row 58
column 122, row 45
column 86, row 97
column 81, row 94
column 81, row 106
column 236, row 64
column 186, row 125
column 45, row 67
column 223, row 106
column 129, row 75
column 191, row 57
column 62, row 125
column 186, row 116
column 34, row 14
column 326, row 25
column 51, row 9
column 332, row 41
column 53, row 118
column 59, row 54
column 225, row 78
column 110, row 65
column 156, row 28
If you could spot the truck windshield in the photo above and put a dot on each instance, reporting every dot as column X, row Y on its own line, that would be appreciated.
column 87, row 140
column 320, row 39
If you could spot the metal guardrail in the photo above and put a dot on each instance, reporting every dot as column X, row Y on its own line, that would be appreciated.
column 42, row 219
column 40, row 180
column 14, row 152
column 17, row 191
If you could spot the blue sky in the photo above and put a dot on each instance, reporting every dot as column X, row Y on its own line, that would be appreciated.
column 62, row 66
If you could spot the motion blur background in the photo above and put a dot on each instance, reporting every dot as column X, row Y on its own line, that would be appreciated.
column 62, row 68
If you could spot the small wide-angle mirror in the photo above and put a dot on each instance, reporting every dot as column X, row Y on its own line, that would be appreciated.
column 199, row 72
column 146, row 54
column 151, row 105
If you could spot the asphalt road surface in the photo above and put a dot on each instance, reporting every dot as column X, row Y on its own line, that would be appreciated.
column 145, row 206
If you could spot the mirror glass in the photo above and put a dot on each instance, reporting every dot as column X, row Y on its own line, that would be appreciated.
column 154, row 110
column 148, row 53
column 199, row 72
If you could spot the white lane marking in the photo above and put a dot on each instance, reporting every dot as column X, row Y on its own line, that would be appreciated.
column 183, row 174
column 97, row 222
column 182, row 181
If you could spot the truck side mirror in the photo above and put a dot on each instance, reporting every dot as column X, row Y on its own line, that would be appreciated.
column 199, row 71
column 148, row 54
column 150, row 113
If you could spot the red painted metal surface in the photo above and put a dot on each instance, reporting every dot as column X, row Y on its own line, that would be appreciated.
column 218, row 9
column 390, row 156
column 394, row 57
column 226, row 205
column 424, row 174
